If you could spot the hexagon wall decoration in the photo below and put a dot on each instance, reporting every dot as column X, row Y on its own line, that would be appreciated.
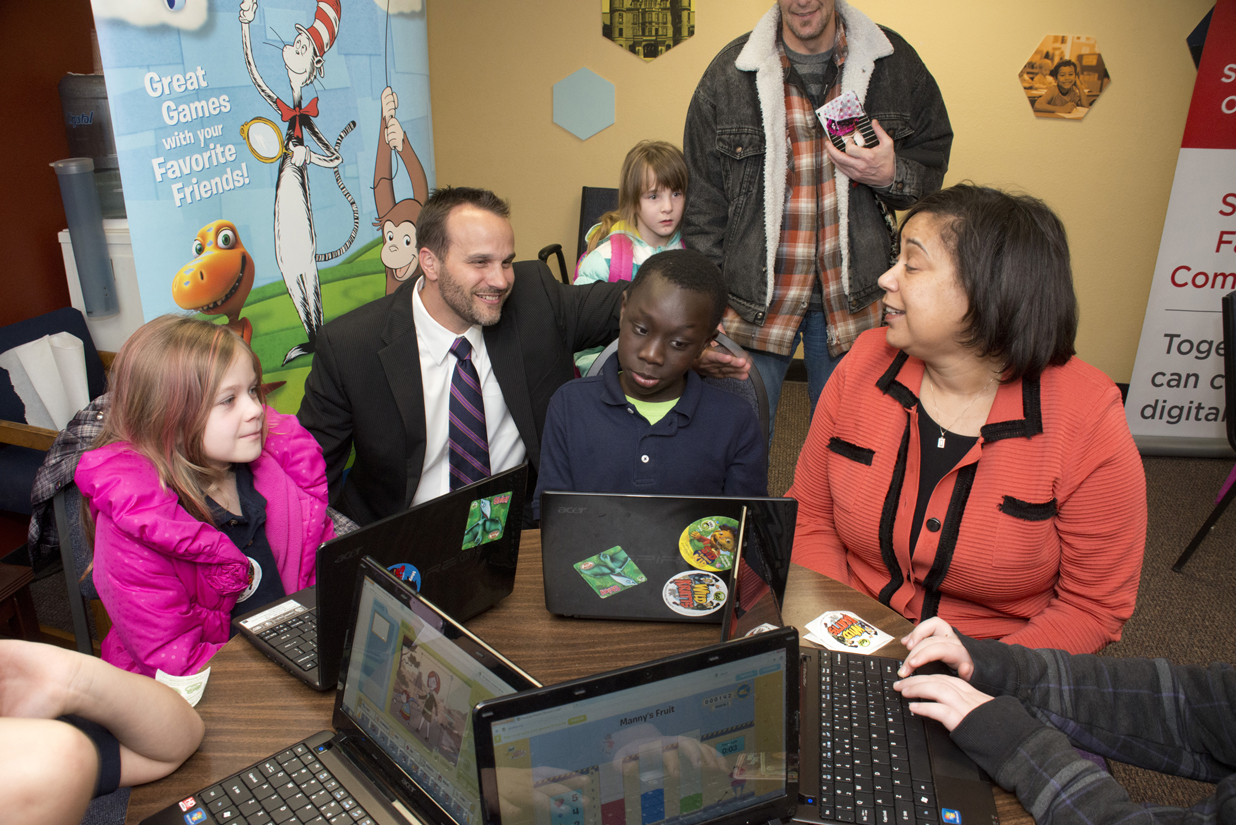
column 1064, row 76
column 647, row 28
column 584, row 103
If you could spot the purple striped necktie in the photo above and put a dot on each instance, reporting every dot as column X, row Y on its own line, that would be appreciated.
column 469, row 458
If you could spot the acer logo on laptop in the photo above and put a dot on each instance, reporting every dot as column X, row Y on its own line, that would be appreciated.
column 572, row 510
column 351, row 554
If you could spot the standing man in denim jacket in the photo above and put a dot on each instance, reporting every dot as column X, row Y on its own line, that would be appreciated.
column 800, row 229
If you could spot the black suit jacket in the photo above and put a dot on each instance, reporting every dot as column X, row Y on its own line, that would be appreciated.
column 365, row 390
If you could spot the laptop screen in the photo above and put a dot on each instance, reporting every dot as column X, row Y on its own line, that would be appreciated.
column 686, row 748
column 412, row 679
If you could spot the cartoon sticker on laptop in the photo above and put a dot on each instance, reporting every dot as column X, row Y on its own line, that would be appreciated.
column 406, row 572
column 710, row 543
column 486, row 520
column 610, row 572
column 695, row 593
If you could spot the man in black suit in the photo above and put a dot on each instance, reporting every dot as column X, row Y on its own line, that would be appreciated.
column 365, row 388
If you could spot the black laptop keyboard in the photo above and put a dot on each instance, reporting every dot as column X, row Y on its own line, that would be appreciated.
column 874, row 762
column 296, row 636
column 291, row 787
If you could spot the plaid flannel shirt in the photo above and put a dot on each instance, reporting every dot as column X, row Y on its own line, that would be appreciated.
column 57, row 472
column 809, row 246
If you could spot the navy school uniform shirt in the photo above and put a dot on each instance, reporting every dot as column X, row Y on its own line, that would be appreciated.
column 595, row 441
column 247, row 530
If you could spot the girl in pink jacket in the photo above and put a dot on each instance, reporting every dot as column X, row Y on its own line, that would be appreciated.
column 206, row 504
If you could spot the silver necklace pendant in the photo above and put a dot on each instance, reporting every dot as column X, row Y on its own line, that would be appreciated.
column 940, row 442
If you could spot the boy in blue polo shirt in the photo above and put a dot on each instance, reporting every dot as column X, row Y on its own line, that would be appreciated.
column 647, row 423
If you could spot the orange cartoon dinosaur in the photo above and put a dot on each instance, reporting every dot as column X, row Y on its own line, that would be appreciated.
column 217, row 281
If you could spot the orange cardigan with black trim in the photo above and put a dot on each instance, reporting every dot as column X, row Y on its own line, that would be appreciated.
column 1043, row 522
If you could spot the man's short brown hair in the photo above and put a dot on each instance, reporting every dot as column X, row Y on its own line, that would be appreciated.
column 431, row 230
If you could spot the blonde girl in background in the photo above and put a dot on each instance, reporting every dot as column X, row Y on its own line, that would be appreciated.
column 651, row 197
column 205, row 503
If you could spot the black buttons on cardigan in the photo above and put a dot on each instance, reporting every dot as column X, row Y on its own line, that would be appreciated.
column 933, row 524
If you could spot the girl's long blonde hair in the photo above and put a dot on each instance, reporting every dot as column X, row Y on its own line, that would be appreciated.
column 162, row 388
column 668, row 169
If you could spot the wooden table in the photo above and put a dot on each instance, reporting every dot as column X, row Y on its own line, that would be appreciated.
column 252, row 708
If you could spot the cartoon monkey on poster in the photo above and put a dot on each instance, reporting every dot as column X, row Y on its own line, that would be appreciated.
column 397, row 221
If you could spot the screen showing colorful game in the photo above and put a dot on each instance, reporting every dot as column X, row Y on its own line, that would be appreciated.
column 412, row 690
column 680, row 750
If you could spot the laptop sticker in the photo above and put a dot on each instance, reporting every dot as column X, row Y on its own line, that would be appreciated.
column 695, row 593
column 406, row 572
column 843, row 630
column 710, row 543
column 610, row 572
column 486, row 520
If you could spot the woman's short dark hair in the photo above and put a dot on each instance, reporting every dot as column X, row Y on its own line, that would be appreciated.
column 1012, row 259
column 1055, row 70
column 431, row 231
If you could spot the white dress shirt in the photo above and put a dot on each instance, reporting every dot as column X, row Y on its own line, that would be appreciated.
column 506, row 448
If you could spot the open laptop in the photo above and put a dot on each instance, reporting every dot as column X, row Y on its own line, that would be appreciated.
column 625, row 556
column 863, row 757
column 458, row 550
column 709, row 736
column 397, row 755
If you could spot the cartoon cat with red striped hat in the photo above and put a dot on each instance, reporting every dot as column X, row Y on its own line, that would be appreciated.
column 295, row 239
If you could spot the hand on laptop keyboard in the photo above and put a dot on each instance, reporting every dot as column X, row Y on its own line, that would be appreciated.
column 935, row 641
column 947, row 699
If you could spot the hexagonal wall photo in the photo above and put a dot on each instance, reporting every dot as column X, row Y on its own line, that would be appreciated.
column 647, row 28
column 1064, row 76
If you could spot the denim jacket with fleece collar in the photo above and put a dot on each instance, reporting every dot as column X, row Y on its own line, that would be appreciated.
column 736, row 148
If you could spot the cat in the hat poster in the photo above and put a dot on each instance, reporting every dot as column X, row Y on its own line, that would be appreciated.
column 245, row 131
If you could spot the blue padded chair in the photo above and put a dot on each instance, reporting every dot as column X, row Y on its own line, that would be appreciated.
column 22, row 446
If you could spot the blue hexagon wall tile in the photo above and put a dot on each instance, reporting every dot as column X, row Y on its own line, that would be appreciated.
column 584, row 103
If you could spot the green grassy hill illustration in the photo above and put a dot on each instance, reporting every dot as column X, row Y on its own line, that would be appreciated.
column 358, row 279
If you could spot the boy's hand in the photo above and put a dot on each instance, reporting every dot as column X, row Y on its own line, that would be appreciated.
column 934, row 641
column 946, row 699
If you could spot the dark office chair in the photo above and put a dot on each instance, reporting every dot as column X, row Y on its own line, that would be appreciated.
column 1228, row 491
column 752, row 389
column 594, row 202
column 77, row 555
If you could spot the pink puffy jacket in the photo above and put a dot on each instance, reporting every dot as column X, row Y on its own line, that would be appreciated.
column 169, row 581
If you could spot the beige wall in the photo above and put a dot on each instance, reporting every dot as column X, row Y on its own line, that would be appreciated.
column 493, row 65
